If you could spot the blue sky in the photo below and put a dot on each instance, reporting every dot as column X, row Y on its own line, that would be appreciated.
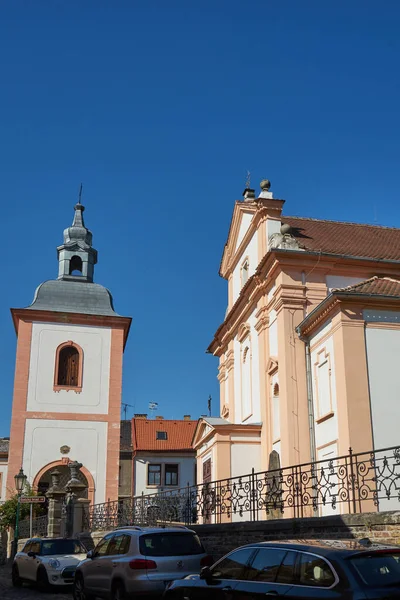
column 159, row 108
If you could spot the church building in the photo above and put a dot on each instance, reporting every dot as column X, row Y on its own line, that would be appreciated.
column 68, row 375
column 308, row 349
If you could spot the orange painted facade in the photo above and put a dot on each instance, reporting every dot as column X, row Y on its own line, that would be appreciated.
column 289, row 303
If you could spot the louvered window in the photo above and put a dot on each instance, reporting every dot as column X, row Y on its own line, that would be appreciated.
column 68, row 370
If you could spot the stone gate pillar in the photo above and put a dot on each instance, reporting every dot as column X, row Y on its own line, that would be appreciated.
column 76, row 505
column 56, row 497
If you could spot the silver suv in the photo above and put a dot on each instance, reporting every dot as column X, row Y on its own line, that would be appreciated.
column 135, row 560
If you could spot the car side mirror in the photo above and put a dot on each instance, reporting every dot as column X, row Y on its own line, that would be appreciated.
column 31, row 555
column 90, row 554
column 206, row 573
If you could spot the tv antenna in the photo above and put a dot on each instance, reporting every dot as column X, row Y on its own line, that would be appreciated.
column 153, row 407
column 125, row 408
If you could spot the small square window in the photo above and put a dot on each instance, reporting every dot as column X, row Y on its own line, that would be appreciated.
column 161, row 435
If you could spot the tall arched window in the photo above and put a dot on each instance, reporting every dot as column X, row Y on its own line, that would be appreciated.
column 68, row 367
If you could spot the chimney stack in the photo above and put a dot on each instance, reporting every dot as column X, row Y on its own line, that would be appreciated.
column 159, row 418
column 140, row 416
column 249, row 195
column 186, row 417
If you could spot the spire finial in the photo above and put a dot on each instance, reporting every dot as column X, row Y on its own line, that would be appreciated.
column 80, row 195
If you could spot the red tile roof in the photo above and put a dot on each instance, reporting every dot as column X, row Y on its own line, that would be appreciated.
column 179, row 434
column 353, row 239
column 376, row 286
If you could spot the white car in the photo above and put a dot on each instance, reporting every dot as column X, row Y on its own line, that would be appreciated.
column 47, row 562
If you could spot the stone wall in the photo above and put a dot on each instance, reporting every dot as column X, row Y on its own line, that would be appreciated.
column 219, row 539
column 378, row 527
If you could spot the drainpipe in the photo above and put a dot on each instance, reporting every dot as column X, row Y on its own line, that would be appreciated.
column 310, row 399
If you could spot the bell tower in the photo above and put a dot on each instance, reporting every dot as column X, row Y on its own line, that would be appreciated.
column 68, row 374
column 76, row 257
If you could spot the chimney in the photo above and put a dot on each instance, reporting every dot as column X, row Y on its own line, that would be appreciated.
column 186, row 417
column 249, row 195
column 159, row 418
column 140, row 416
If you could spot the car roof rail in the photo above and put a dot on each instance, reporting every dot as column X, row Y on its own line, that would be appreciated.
column 134, row 527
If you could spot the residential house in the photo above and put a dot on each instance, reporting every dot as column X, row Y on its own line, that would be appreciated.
column 163, row 455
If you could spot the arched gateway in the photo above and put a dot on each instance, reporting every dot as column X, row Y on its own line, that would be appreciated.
column 42, row 481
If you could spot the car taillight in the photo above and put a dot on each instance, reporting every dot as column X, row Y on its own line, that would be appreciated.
column 206, row 561
column 142, row 564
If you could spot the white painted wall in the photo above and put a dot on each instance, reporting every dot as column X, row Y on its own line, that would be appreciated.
column 338, row 281
column 328, row 493
column 95, row 343
column 186, row 470
column 383, row 353
column 245, row 456
column 251, row 252
column 324, row 391
column 247, row 407
column 244, row 225
column 3, row 490
column 87, row 440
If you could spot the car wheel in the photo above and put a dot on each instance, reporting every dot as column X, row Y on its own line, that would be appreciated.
column 15, row 578
column 42, row 580
column 78, row 591
column 118, row 591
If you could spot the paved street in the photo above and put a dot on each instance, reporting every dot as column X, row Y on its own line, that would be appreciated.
column 26, row 593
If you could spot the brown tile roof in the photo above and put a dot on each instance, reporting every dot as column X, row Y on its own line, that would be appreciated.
column 376, row 286
column 179, row 434
column 353, row 239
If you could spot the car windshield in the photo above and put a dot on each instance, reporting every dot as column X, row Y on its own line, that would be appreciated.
column 378, row 569
column 170, row 544
column 52, row 547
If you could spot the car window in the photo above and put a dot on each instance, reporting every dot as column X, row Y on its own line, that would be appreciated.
column 314, row 571
column 125, row 544
column 27, row 547
column 119, row 544
column 233, row 566
column 35, row 547
column 265, row 564
column 286, row 573
column 378, row 569
column 170, row 544
column 102, row 547
column 55, row 547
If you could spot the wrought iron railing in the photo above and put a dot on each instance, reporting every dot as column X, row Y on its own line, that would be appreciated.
column 39, row 527
column 353, row 483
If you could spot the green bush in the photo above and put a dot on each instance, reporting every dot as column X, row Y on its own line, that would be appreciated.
column 8, row 510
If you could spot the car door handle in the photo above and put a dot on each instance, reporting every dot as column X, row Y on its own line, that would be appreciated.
column 227, row 588
column 272, row 594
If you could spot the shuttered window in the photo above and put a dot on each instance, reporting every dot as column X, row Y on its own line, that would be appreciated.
column 68, row 367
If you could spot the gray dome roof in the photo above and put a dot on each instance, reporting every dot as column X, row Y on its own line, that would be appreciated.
column 73, row 297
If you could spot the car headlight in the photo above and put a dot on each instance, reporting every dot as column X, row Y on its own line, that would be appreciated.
column 54, row 563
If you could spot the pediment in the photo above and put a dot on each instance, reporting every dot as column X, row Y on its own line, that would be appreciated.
column 242, row 217
column 202, row 431
column 272, row 365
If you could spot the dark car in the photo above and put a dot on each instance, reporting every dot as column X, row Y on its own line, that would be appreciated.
column 320, row 570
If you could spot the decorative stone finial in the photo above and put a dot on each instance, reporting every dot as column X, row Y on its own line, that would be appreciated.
column 265, row 185
column 285, row 228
